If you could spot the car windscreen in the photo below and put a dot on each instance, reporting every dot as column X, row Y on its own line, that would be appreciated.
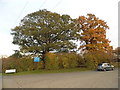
column 99, row 64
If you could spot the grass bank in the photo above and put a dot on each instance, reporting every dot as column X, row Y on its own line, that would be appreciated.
column 49, row 71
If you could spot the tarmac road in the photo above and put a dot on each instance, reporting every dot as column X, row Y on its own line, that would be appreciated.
column 0, row 74
column 86, row 79
column 0, row 82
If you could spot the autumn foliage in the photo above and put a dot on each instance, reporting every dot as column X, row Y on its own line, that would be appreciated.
column 92, row 59
column 54, row 61
column 43, row 31
column 93, row 33
column 63, row 60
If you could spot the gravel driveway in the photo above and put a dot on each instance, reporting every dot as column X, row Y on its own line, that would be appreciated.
column 86, row 79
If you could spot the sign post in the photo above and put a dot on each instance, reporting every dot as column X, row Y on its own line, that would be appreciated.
column 36, row 60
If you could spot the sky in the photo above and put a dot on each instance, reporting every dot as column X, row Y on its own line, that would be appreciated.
column 12, row 11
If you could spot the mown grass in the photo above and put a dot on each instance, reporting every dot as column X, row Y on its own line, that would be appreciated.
column 48, row 71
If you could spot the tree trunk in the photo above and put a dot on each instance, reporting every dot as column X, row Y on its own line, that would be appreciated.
column 43, row 59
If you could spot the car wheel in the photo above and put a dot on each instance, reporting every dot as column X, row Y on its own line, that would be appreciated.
column 104, row 69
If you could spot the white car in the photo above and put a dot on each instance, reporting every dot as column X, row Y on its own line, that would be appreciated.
column 105, row 67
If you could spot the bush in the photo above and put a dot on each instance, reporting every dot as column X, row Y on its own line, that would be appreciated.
column 62, row 60
column 68, row 60
column 51, row 61
column 25, row 64
column 8, row 63
column 92, row 59
column 21, row 64
column 71, row 60
column 80, row 60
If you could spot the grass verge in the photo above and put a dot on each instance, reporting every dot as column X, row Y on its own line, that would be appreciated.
column 48, row 71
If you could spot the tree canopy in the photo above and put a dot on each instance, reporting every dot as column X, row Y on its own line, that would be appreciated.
column 93, row 33
column 44, row 31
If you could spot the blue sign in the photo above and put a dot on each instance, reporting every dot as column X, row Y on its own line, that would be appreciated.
column 36, row 59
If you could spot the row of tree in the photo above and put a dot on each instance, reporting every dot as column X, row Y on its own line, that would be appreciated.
column 44, row 31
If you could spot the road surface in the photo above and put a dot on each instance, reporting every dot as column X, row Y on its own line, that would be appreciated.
column 86, row 79
column 0, row 74
column 0, row 81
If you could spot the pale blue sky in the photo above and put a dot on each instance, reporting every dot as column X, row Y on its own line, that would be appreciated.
column 12, row 11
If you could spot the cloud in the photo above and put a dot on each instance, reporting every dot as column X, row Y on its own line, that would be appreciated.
column 6, row 46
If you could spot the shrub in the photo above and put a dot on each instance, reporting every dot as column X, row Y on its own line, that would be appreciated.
column 90, row 61
column 21, row 64
column 8, row 63
column 26, row 64
column 62, row 60
column 94, row 58
column 72, row 60
column 51, row 61
column 68, row 60
column 65, row 61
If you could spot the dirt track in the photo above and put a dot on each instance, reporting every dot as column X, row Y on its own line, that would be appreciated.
column 87, row 79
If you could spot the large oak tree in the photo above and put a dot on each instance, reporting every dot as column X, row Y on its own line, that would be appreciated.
column 43, row 31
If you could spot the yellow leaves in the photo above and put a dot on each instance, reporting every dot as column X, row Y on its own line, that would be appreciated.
column 91, row 30
column 82, row 46
column 82, row 18
column 51, row 55
column 94, row 33
column 85, row 37
column 91, row 15
column 103, row 23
